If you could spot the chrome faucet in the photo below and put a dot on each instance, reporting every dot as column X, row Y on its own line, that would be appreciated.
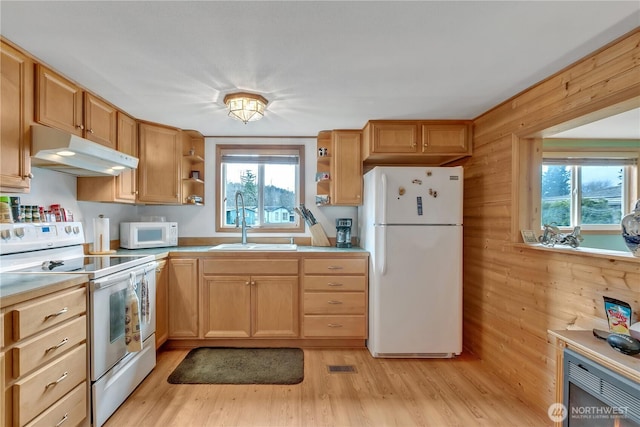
column 244, row 221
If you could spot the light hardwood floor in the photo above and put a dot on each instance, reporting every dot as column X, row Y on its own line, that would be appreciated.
column 383, row 392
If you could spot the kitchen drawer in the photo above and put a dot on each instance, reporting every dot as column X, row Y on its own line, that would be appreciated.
column 335, row 283
column 334, row 303
column 68, row 411
column 31, row 353
column 335, row 326
column 39, row 390
column 41, row 313
column 335, row 266
column 250, row 266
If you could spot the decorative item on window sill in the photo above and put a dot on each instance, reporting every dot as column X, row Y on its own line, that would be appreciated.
column 246, row 107
column 552, row 236
column 631, row 230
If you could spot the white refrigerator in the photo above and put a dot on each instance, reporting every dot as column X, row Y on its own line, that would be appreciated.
column 411, row 223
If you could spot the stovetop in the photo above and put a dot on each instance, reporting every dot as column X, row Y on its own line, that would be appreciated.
column 57, row 248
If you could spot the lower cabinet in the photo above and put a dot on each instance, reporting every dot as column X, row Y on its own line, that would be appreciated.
column 44, row 360
column 162, row 303
column 302, row 296
column 335, row 298
column 237, row 305
column 183, row 298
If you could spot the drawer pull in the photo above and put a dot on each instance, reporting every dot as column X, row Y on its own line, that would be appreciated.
column 57, row 346
column 335, row 267
column 65, row 418
column 334, row 325
column 64, row 376
column 63, row 311
column 332, row 301
column 335, row 284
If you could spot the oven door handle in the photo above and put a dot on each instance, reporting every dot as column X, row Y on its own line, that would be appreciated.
column 102, row 284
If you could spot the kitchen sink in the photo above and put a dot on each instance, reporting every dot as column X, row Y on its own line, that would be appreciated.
column 255, row 247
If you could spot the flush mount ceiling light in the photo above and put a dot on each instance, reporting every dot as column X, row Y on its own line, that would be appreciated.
column 246, row 107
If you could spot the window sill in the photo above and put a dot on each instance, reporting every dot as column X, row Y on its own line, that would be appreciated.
column 591, row 252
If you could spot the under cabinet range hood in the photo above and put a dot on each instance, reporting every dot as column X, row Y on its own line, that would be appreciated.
column 64, row 152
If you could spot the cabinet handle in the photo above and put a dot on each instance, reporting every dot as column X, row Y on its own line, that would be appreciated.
column 413, row 144
column 63, row 377
column 247, row 283
column 335, row 284
column 61, row 312
column 253, row 282
column 335, row 267
column 334, row 325
column 90, row 131
column 65, row 418
column 28, row 176
column 334, row 302
column 57, row 346
column 81, row 127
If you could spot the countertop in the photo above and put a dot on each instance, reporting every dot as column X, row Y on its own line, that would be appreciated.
column 15, row 287
column 598, row 350
column 201, row 250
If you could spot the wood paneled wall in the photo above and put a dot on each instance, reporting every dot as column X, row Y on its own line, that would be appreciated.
column 514, row 294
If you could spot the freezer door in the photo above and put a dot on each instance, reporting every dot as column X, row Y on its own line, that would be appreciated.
column 415, row 290
column 418, row 195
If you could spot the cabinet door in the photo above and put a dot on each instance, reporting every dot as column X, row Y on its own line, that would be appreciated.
column 445, row 138
column 58, row 102
column 100, row 121
column 275, row 306
column 394, row 138
column 346, row 168
column 162, row 303
column 226, row 306
column 126, row 182
column 183, row 298
column 160, row 150
column 16, row 98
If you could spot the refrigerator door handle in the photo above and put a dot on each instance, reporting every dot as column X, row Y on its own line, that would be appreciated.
column 384, row 198
column 383, row 254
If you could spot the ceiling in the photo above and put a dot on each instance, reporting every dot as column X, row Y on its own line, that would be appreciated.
column 321, row 65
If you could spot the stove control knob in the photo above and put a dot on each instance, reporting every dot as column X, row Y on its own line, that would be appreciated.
column 67, row 229
column 19, row 232
column 6, row 234
column 76, row 229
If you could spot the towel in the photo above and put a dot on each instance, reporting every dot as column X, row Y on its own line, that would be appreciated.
column 144, row 294
column 132, row 335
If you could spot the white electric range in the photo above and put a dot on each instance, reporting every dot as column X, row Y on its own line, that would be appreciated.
column 55, row 248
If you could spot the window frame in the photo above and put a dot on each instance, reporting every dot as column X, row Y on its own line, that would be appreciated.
column 254, row 148
column 629, row 191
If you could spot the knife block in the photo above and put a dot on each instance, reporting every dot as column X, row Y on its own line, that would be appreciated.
column 318, row 236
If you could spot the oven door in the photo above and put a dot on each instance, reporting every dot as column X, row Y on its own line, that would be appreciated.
column 107, row 300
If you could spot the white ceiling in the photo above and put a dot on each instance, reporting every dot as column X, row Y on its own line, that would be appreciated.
column 321, row 65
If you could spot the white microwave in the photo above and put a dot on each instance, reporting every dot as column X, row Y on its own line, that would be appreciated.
column 141, row 235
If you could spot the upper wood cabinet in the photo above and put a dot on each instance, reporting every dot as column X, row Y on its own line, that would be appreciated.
column 160, row 166
column 124, row 187
column 16, row 99
column 339, row 168
column 63, row 105
column 346, row 168
column 391, row 137
column 413, row 142
column 192, row 167
column 58, row 102
column 454, row 138
column 100, row 121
